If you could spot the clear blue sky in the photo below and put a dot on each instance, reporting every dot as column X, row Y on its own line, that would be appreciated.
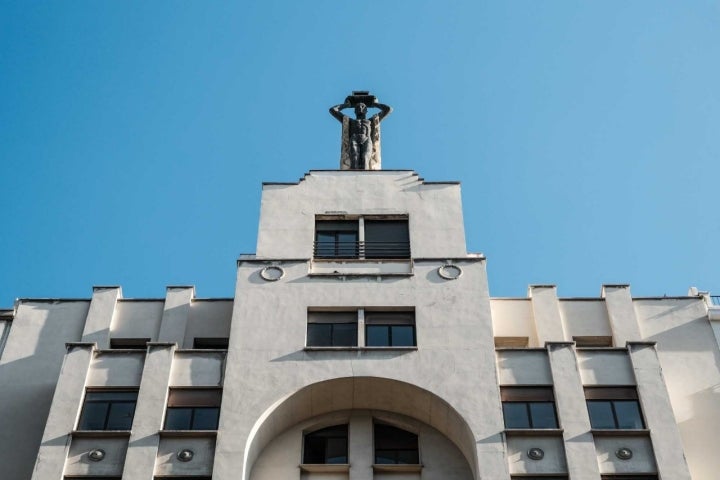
column 134, row 135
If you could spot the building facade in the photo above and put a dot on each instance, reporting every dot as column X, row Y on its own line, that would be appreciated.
column 361, row 343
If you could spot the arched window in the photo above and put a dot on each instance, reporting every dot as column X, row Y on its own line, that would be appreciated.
column 328, row 445
column 395, row 446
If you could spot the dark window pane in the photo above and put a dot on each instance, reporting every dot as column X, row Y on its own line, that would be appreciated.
column 328, row 445
column 121, row 416
column 542, row 415
column 336, row 450
column 394, row 445
column 178, row 419
column 516, row 415
column 407, row 456
column 403, row 335
column 377, row 335
column 628, row 414
column 344, row 334
column 601, row 415
column 386, row 239
column 110, row 396
column 205, row 418
column 385, row 457
column 319, row 334
column 93, row 416
column 314, row 450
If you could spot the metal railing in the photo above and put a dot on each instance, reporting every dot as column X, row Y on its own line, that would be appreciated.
column 715, row 300
column 362, row 250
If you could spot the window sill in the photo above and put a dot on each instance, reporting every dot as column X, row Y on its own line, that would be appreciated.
column 358, row 349
column 100, row 433
column 397, row 468
column 534, row 432
column 325, row 467
column 188, row 433
column 620, row 432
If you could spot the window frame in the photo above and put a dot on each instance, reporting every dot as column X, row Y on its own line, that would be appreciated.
column 403, row 318
column 527, row 396
column 206, row 398
column 377, row 439
column 318, row 434
column 360, row 248
column 611, row 395
column 314, row 315
column 82, row 419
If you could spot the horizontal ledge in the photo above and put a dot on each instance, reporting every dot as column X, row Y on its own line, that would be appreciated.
column 357, row 349
column 620, row 432
column 188, row 433
column 397, row 468
column 325, row 467
column 100, row 433
column 534, row 432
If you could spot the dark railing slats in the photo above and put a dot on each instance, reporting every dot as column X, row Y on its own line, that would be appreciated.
column 715, row 299
column 367, row 250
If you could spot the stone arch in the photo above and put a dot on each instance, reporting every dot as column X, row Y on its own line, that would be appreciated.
column 355, row 393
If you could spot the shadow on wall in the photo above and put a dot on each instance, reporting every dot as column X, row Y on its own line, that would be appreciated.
column 29, row 371
column 365, row 393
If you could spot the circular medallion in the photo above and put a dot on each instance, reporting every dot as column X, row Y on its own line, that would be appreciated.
column 449, row 271
column 272, row 273
column 536, row 453
column 96, row 454
column 624, row 453
column 185, row 455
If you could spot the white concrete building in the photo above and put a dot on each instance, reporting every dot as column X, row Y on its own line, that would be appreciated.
column 361, row 344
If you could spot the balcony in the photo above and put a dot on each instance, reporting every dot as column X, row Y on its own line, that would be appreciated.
column 361, row 250
column 333, row 258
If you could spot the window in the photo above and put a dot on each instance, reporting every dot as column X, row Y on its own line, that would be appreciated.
column 528, row 407
column 328, row 445
column 613, row 408
column 629, row 477
column 395, row 446
column 129, row 343
column 108, row 410
column 389, row 329
column 203, row 343
column 362, row 238
column 193, row 409
column 332, row 329
column 387, row 239
column 593, row 341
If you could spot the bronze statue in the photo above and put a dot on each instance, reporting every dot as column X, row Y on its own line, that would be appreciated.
column 360, row 135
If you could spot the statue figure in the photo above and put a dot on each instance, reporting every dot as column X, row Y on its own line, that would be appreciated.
column 360, row 135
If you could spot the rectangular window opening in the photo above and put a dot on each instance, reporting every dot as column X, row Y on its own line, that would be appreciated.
column 365, row 238
column 528, row 407
column 193, row 409
column 390, row 329
column 108, row 410
column 614, row 408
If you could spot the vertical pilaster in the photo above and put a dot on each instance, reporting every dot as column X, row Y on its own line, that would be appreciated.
column 360, row 447
column 175, row 314
column 655, row 402
column 149, row 412
column 63, row 412
column 546, row 311
column 572, row 412
column 621, row 313
column 100, row 315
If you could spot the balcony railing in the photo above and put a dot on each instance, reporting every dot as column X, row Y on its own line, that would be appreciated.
column 364, row 250
column 715, row 300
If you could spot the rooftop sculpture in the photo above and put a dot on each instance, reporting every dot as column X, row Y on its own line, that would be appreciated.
column 360, row 135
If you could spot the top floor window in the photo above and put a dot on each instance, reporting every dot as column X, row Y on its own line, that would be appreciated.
column 614, row 408
column 368, row 238
column 108, row 410
column 328, row 445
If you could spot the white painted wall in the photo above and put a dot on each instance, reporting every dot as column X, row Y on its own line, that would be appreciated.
column 523, row 367
column 137, row 319
column 513, row 317
column 585, row 318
